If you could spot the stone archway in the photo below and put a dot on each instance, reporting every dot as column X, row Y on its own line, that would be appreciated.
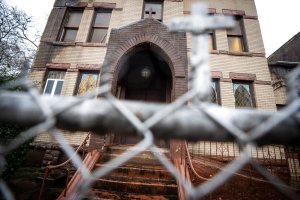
column 143, row 74
column 170, row 46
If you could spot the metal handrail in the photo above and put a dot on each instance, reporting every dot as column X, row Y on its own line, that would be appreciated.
column 67, row 162
column 190, row 163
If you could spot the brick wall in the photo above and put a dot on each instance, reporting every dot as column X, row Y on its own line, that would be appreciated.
column 172, row 9
column 173, row 46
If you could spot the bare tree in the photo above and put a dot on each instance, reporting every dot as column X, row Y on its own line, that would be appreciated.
column 15, row 44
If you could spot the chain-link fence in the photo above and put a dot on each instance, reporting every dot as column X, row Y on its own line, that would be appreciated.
column 189, row 117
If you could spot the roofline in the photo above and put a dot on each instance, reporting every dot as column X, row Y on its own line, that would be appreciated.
column 284, row 44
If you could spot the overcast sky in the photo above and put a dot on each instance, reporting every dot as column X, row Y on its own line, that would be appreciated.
column 279, row 19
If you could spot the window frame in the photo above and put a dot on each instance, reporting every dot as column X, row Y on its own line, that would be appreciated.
column 218, row 92
column 56, row 80
column 65, row 27
column 212, row 34
column 251, row 90
column 157, row 2
column 241, row 36
column 93, row 27
column 53, row 87
column 79, row 77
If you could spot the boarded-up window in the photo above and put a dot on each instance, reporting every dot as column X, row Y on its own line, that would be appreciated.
column 86, row 82
column 54, row 83
column 100, row 26
column 236, row 38
column 153, row 9
column 243, row 94
column 71, row 26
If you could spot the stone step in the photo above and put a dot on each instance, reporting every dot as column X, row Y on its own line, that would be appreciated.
column 139, row 160
column 122, row 148
column 151, row 188
column 126, row 196
column 156, row 172
column 140, row 179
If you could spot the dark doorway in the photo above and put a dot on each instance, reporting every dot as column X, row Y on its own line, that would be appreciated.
column 144, row 76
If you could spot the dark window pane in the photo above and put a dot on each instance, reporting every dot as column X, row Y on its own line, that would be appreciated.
column 242, row 95
column 58, row 88
column 69, row 35
column 98, row 35
column 211, row 42
column 74, row 19
column 49, row 87
column 56, row 74
column 237, row 30
column 102, row 19
column 280, row 106
column 235, row 43
column 88, row 81
column 155, row 8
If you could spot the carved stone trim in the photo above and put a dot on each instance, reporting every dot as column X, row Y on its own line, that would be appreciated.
column 259, row 82
column 242, row 76
column 278, row 84
column 92, row 67
column 77, row 5
column 104, row 5
column 233, row 12
column 58, row 65
column 91, row 44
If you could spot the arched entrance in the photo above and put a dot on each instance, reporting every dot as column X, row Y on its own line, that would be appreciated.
column 143, row 75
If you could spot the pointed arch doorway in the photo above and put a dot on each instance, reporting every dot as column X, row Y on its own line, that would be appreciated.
column 143, row 74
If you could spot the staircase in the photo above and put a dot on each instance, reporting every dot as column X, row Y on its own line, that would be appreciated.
column 143, row 177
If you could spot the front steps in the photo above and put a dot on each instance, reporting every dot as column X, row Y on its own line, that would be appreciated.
column 143, row 177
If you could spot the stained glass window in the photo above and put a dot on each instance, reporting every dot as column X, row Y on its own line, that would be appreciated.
column 54, row 83
column 243, row 95
column 214, row 93
column 86, row 82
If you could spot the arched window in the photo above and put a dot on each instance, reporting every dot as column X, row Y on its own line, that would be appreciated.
column 243, row 95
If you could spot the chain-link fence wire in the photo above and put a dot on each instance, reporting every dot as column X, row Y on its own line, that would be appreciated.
column 196, row 98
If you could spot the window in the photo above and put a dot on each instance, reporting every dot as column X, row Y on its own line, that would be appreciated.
column 153, row 9
column 54, row 83
column 71, row 25
column 214, row 95
column 100, row 26
column 212, row 40
column 236, row 38
column 86, row 82
column 243, row 94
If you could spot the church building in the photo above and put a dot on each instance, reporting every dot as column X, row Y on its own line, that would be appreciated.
column 149, row 63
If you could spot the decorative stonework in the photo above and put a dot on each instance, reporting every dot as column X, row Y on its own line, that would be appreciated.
column 170, row 46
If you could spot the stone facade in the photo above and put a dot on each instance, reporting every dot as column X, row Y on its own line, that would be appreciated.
column 127, row 29
column 281, row 62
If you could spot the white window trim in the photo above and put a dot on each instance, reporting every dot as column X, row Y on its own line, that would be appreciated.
column 54, row 86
